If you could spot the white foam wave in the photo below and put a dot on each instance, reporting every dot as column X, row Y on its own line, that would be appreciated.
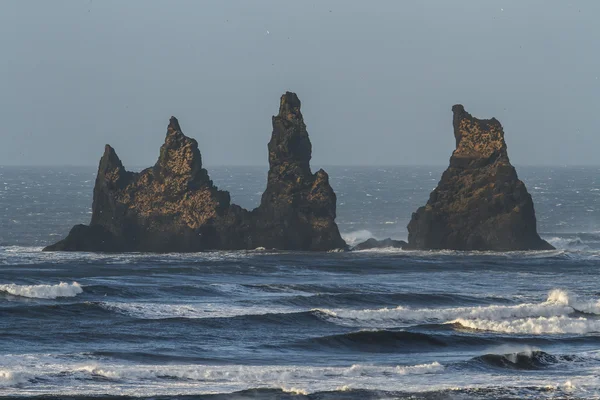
column 43, row 291
column 384, row 250
column 203, row 310
column 534, row 326
column 558, row 303
column 295, row 391
column 568, row 243
column 433, row 368
column 538, row 324
column 11, row 378
column 264, row 290
column 266, row 375
column 54, row 375
column 355, row 237
column 560, row 296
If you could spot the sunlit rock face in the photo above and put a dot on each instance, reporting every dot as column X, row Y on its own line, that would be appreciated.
column 298, row 208
column 479, row 203
column 175, row 207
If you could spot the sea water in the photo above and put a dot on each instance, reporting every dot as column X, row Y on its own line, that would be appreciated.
column 265, row 324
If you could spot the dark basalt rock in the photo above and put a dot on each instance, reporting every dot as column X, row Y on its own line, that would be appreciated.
column 297, row 210
column 373, row 243
column 480, row 203
column 175, row 207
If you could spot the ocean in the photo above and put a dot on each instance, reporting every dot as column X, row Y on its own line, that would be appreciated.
column 376, row 324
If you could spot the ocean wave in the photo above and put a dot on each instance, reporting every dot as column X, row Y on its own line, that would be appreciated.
column 567, row 243
column 12, row 378
column 355, row 237
column 547, row 320
column 243, row 375
column 192, row 310
column 366, row 298
column 587, row 306
column 430, row 380
column 401, row 341
column 558, row 303
column 583, row 241
column 374, row 341
column 525, row 360
column 534, row 326
column 43, row 291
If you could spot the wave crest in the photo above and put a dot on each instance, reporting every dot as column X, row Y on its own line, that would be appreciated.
column 11, row 378
column 525, row 360
column 533, row 326
column 63, row 289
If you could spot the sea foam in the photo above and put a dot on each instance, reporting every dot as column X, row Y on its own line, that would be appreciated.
column 43, row 291
column 355, row 237
column 10, row 378
column 534, row 326
column 558, row 303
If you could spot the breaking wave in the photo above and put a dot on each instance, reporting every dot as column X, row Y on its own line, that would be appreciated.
column 356, row 237
column 43, row 291
column 11, row 378
column 534, row 326
column 559, row 303
column 242, row 375
column 191, row 311
column 544, row 322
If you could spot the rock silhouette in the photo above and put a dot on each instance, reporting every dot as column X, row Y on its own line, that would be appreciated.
column 373, row 243
column 298, row 208
column 175, row 207
column 479, row 203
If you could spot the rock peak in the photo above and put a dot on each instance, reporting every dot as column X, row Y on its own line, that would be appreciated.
column 289, row 107
column 458, row 109
column 477, row 138
column 173, row 125
column 180, row 157
column 289, row 145
column 110, row 159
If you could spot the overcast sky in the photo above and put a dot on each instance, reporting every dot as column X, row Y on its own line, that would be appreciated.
column 377, row 79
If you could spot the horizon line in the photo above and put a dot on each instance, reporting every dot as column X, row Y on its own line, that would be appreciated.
column 315, row 165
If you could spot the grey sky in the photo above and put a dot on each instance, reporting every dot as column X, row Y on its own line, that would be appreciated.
column 377, row 79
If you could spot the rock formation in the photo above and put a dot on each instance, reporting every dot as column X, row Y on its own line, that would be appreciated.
column 480, row 203
column 373, row 243
column 297, row 210
column 175, row 207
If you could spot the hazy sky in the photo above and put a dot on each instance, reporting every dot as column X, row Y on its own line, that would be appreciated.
column 377, row 79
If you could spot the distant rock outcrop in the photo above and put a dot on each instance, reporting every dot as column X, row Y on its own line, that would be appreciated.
column 175, row 207
column 373, row 243
column 298, row 208
column 480, row 203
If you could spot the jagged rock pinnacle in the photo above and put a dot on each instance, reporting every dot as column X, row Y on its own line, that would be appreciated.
column 480, row 203
column 289, row 108
column 298, row 208
column 174, row 206
column 173, row 125
column 289, row 145
column 477, row 138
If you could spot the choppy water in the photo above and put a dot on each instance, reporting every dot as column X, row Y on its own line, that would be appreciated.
column 279, row 325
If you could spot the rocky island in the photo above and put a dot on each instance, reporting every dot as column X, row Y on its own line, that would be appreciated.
column 175, row 207
column 479, row 203
column 373, row 243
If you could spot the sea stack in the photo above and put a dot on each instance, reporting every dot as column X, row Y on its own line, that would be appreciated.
column 479, row 203
column 170, row 207
column 175, row 207
column 298, row 208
